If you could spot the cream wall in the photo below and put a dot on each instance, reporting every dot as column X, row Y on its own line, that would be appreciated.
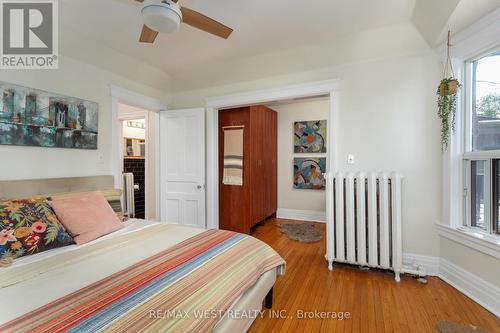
column 386, row 118
column 288, row 113
column 77, row 79
column 478, row 263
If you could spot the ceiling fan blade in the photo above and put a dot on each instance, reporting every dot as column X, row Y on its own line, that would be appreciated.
column 148, row 35
column 205, row 23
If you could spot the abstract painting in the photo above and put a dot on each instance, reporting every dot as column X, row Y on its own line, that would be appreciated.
column 31, row 117
column 310, row 136
column 308, row 173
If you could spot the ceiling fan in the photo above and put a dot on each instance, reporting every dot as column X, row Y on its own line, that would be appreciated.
column 166, row 16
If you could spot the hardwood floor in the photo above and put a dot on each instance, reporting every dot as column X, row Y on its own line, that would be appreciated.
column 376, row 303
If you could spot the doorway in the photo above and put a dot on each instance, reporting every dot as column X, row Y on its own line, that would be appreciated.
column 329, row 88
column 136, row 161
column 134, row 166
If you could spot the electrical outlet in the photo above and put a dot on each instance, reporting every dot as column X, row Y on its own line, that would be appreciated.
column 350, row 159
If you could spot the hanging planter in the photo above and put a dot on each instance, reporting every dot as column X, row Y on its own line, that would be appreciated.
column 448, row 86
column 447, row 100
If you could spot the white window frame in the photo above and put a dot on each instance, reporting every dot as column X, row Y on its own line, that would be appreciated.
column 469, row 155
column 472, row 43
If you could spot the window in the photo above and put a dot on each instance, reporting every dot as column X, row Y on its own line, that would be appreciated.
column 486, row 103
column 482, row 156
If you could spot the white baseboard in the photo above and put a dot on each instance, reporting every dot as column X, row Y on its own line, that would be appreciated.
column 481, row 291
column 303, row 215
column 430, row 264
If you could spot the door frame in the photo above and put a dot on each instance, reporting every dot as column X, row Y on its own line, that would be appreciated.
column 214, row 104
column 128, row 97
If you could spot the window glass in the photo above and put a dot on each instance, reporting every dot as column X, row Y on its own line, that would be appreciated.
column 477, row 180
column 486, row 103
column 496, row 196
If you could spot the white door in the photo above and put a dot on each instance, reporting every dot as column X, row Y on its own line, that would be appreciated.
column 182, row 169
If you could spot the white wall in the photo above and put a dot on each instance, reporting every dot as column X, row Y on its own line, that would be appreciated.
column 73, row 78
column 133, row 132
column 387, row 119
column 288, row 113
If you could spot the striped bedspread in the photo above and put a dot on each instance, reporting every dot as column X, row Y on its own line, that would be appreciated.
column 182, row 289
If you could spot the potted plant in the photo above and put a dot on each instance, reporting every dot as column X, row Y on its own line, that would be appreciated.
column 447, row 100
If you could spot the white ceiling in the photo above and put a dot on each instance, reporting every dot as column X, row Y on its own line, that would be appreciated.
column 105, row 33
column 260, row 26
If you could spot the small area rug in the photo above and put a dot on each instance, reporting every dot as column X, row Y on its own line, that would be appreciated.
column 451, row 327
column 303, row 232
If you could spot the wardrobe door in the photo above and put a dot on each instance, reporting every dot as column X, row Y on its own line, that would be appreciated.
column 269, row 160
column 234, row 205
column 273, row 184
column 259, row 186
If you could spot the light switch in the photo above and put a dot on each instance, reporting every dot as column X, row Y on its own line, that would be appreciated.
column 350, row 159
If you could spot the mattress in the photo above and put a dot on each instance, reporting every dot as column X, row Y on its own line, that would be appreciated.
column 38, row 287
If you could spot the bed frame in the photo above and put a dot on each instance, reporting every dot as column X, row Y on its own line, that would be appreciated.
column 27, row 188
column 252, row 300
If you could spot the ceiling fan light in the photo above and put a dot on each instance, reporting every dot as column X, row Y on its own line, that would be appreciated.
column 162, row 17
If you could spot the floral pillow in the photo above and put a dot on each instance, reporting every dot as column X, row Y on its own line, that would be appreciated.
column 29, row 226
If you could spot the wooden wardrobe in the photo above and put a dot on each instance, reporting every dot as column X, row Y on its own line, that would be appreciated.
column 242, row 207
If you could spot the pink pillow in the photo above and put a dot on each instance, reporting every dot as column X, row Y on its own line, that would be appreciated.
column 86, row 217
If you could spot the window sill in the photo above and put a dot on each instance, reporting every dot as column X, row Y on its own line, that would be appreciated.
column 485, row 243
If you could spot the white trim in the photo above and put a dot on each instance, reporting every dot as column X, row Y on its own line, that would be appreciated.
column 477, row 39
column 138, row 100
column 310, row 89
column 482, row 292
column 121, row 95
column 302, row 215
column 430, row 264
column 485, row 243
column 482, row 155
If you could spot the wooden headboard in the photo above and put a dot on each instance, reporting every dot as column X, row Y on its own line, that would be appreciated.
column 26, row 188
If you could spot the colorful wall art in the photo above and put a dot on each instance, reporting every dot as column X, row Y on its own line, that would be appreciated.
column 310, row 136
column 31, row 117
column 308, row 173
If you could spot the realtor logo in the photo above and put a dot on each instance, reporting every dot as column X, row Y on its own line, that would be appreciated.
column 29, row 34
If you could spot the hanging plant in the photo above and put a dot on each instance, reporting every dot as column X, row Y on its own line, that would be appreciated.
column 447, row 100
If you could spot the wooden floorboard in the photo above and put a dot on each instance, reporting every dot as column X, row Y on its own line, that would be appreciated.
column 376, row 303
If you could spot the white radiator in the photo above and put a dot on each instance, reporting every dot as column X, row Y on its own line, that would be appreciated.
column 128, row 194
column 364, row 220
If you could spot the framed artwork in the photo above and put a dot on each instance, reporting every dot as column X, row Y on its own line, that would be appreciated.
column 32, row 117
column 308, row 173
column 310, row 136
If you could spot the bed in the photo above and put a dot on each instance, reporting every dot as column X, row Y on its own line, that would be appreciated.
column 114, row 283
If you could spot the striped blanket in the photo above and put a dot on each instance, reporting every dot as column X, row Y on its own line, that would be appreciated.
column 177, row 290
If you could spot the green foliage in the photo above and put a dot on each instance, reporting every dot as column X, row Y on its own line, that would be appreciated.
column 51, row 234
column 21, row 218
column 447, row 108
column 489, row 105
